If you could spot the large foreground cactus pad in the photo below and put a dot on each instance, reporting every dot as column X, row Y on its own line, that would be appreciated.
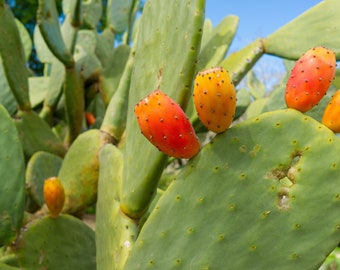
column 263, row 195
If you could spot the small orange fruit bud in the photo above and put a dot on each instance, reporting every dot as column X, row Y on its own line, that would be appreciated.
column 54, row 196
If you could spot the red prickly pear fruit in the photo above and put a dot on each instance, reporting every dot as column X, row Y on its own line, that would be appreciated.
column 54, row 196
column 215, row 98
column 163, row 122
column 310, row 78
column 331, row 115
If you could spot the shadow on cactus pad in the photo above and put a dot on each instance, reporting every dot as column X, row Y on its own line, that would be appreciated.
column 253, row 198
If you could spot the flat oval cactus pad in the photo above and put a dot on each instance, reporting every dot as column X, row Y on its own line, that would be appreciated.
column 263, row 195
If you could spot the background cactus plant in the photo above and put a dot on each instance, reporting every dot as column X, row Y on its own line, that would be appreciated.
column 251, row 198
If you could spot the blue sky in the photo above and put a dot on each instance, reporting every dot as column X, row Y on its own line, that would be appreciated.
column 258, row 18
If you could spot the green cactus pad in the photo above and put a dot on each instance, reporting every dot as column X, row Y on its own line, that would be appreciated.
column 240, row 62
column 61, row 243
column 91, row 11
column 12, row 179
column 74, row 103
column 48, row 22
column 302, row 33
column 207, row 31
column 43, row 52
column 214, row 48
column 159, row 62
column 114, row 69
column 243, row 100
column 104, row 47
column 114, row 121
column 41, row 165
column 6, row 96
column 118, row 14
column 80, row 168
column 250, row 202
column 112, row 249
column 88, row 64
column 257, row 88
column 36, row 135
column 13, row 58
column 38, row 87
column 25, row 38
column 54, row 92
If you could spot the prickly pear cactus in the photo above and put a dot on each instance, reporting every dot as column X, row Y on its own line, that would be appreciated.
column 12, row 180
column 248, row 202
column 252, row 197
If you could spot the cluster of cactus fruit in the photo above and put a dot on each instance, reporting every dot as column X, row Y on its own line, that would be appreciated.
column 163, row 122
column 222, row 177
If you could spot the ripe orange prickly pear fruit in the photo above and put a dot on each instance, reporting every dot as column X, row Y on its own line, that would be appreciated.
column 215, row 98
column 310, row 78
column 54, row 196
column 331, row 115
column 163, row 122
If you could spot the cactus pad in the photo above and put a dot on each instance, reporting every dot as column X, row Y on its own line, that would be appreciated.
column 283, row 42
column 13, row 58
column 41, row 165
column 36, row 135
column 79, row 170
column 12, row 179
column 214, row 48
column 246, row 202
column 169, row 68
column 112, row 251
column 62, row 243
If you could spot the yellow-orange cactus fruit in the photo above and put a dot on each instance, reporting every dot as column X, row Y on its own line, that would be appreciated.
column 331, row 115
column 54, row 196
column 215, row 98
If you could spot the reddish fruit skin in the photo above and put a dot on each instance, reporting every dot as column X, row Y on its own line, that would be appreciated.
column 90, row 119
column 331, row 115
column 310, row 78
column 163, row 122
column 215, row 98
column 54, row 196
